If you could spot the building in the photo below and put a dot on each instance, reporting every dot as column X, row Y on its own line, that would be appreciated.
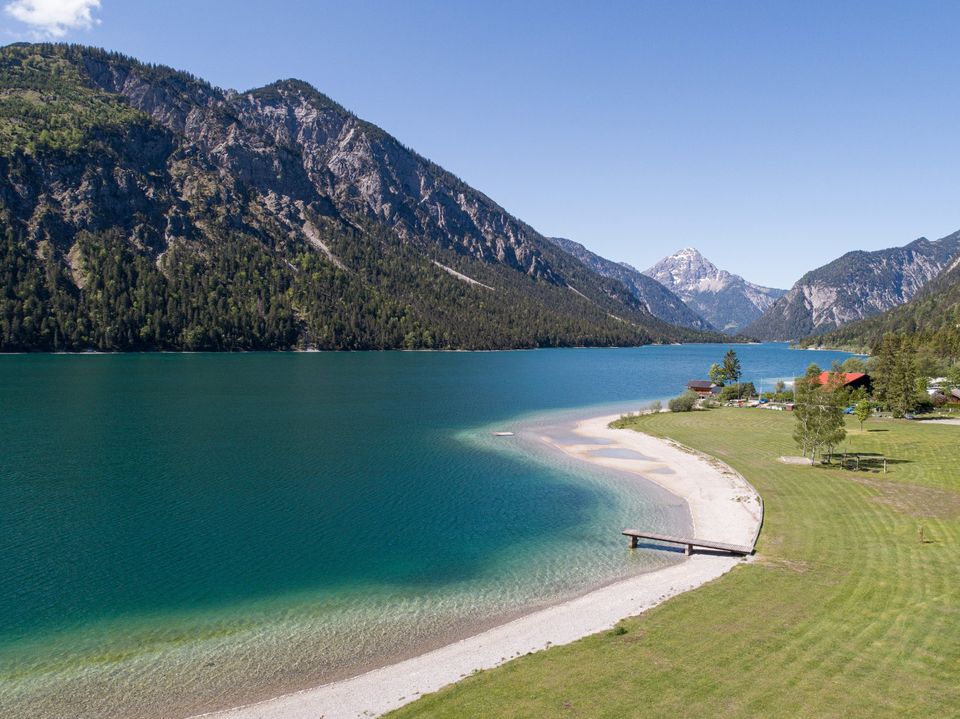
column 703, row 387
column 935, row 386
column 851, row 380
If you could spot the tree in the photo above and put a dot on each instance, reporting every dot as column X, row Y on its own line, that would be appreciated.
column 895, row 374
column 953, row 378
column 832, row 427
column 818, row 413
column 779, row 387
column 737, row 390
column 853, row 364
column 862, row 411
column 717, row 375
column 920, row 385
column 731, row 366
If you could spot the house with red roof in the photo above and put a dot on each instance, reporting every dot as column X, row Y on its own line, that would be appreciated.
column 851, row 380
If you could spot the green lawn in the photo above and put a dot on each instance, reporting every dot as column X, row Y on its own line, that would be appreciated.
column 844, row 613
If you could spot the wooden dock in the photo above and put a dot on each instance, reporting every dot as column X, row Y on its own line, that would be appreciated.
column 688, row 544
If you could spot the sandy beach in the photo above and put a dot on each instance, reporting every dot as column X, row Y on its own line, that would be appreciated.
column 723, row 507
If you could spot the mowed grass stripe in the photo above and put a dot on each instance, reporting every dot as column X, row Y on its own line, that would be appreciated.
column 844, row 613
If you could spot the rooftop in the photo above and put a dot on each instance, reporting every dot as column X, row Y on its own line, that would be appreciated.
column 848, row 377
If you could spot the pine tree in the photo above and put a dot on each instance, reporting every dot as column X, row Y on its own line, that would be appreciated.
column 895, row 377
column 731, row 369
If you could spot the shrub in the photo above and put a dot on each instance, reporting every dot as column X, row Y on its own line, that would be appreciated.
column 655, row 407
column 743, row 390
column 785, row 396
column 684, row 403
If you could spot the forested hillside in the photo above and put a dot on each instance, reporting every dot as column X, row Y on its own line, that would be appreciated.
column 142, row 208
column 853, row 287
column 931, row 321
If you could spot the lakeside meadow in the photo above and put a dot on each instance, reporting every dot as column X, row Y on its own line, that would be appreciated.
column 844, row 612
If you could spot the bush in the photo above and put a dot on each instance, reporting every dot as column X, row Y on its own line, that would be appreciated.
column 924, row 404
column 785, row 396
column 684, row 403
column 743, row 390
column 655, row 407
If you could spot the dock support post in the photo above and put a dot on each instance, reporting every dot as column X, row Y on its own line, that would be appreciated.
column 688, row 550
column 633, row 542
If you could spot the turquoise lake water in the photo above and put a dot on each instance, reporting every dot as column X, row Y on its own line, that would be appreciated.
column 182, row 532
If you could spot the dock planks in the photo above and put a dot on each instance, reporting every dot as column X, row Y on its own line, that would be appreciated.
column 688, row 544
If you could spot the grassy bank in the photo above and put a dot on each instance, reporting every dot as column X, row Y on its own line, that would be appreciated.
column 844, row 613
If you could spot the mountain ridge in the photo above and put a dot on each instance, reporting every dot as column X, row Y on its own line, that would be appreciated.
column 856, row 285
column 931, row 319
column 362, row 242
column 658, row 300
column 726, row 300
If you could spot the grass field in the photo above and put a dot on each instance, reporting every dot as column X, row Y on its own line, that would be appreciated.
column 844, row 612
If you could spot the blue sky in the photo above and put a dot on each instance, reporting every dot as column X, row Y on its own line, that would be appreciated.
column 772, row 136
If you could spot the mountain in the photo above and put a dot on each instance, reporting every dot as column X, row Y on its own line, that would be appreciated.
column 142, row 208
column 726, row 300
column 657, row 299
column 853, row 287
column 931, row 319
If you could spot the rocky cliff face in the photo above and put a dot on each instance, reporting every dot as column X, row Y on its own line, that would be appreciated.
column 728, row 301
column 290, row 147
column 186, row 174
column 931, row 318
column 657, row 299
column 853, row 287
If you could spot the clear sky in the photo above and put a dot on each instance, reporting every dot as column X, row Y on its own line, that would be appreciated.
column 772, row 136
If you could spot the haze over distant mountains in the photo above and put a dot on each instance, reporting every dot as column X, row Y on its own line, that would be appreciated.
column 724, row 299
column 853, row 287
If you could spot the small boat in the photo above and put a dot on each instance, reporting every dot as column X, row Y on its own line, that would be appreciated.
column 503, row 434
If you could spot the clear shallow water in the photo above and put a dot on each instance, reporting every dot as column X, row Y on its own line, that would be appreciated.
column 179, row 532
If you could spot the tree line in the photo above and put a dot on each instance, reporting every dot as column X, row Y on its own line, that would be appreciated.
column 237, row 292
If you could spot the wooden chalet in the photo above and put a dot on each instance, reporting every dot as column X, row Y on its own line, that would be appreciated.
column 703, row 387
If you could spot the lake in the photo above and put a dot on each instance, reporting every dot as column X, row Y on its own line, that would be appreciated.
column 181, row 532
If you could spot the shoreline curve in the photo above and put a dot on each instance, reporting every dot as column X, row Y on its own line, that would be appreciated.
column 723, row 507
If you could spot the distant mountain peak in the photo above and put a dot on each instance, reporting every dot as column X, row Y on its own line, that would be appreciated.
column 727, row 300
column 651, row 294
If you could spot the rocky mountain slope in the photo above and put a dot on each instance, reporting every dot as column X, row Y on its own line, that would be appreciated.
column 853, row 287
column 726, row 300
column 142, row 208
column 931, row 318
column 657, row 299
